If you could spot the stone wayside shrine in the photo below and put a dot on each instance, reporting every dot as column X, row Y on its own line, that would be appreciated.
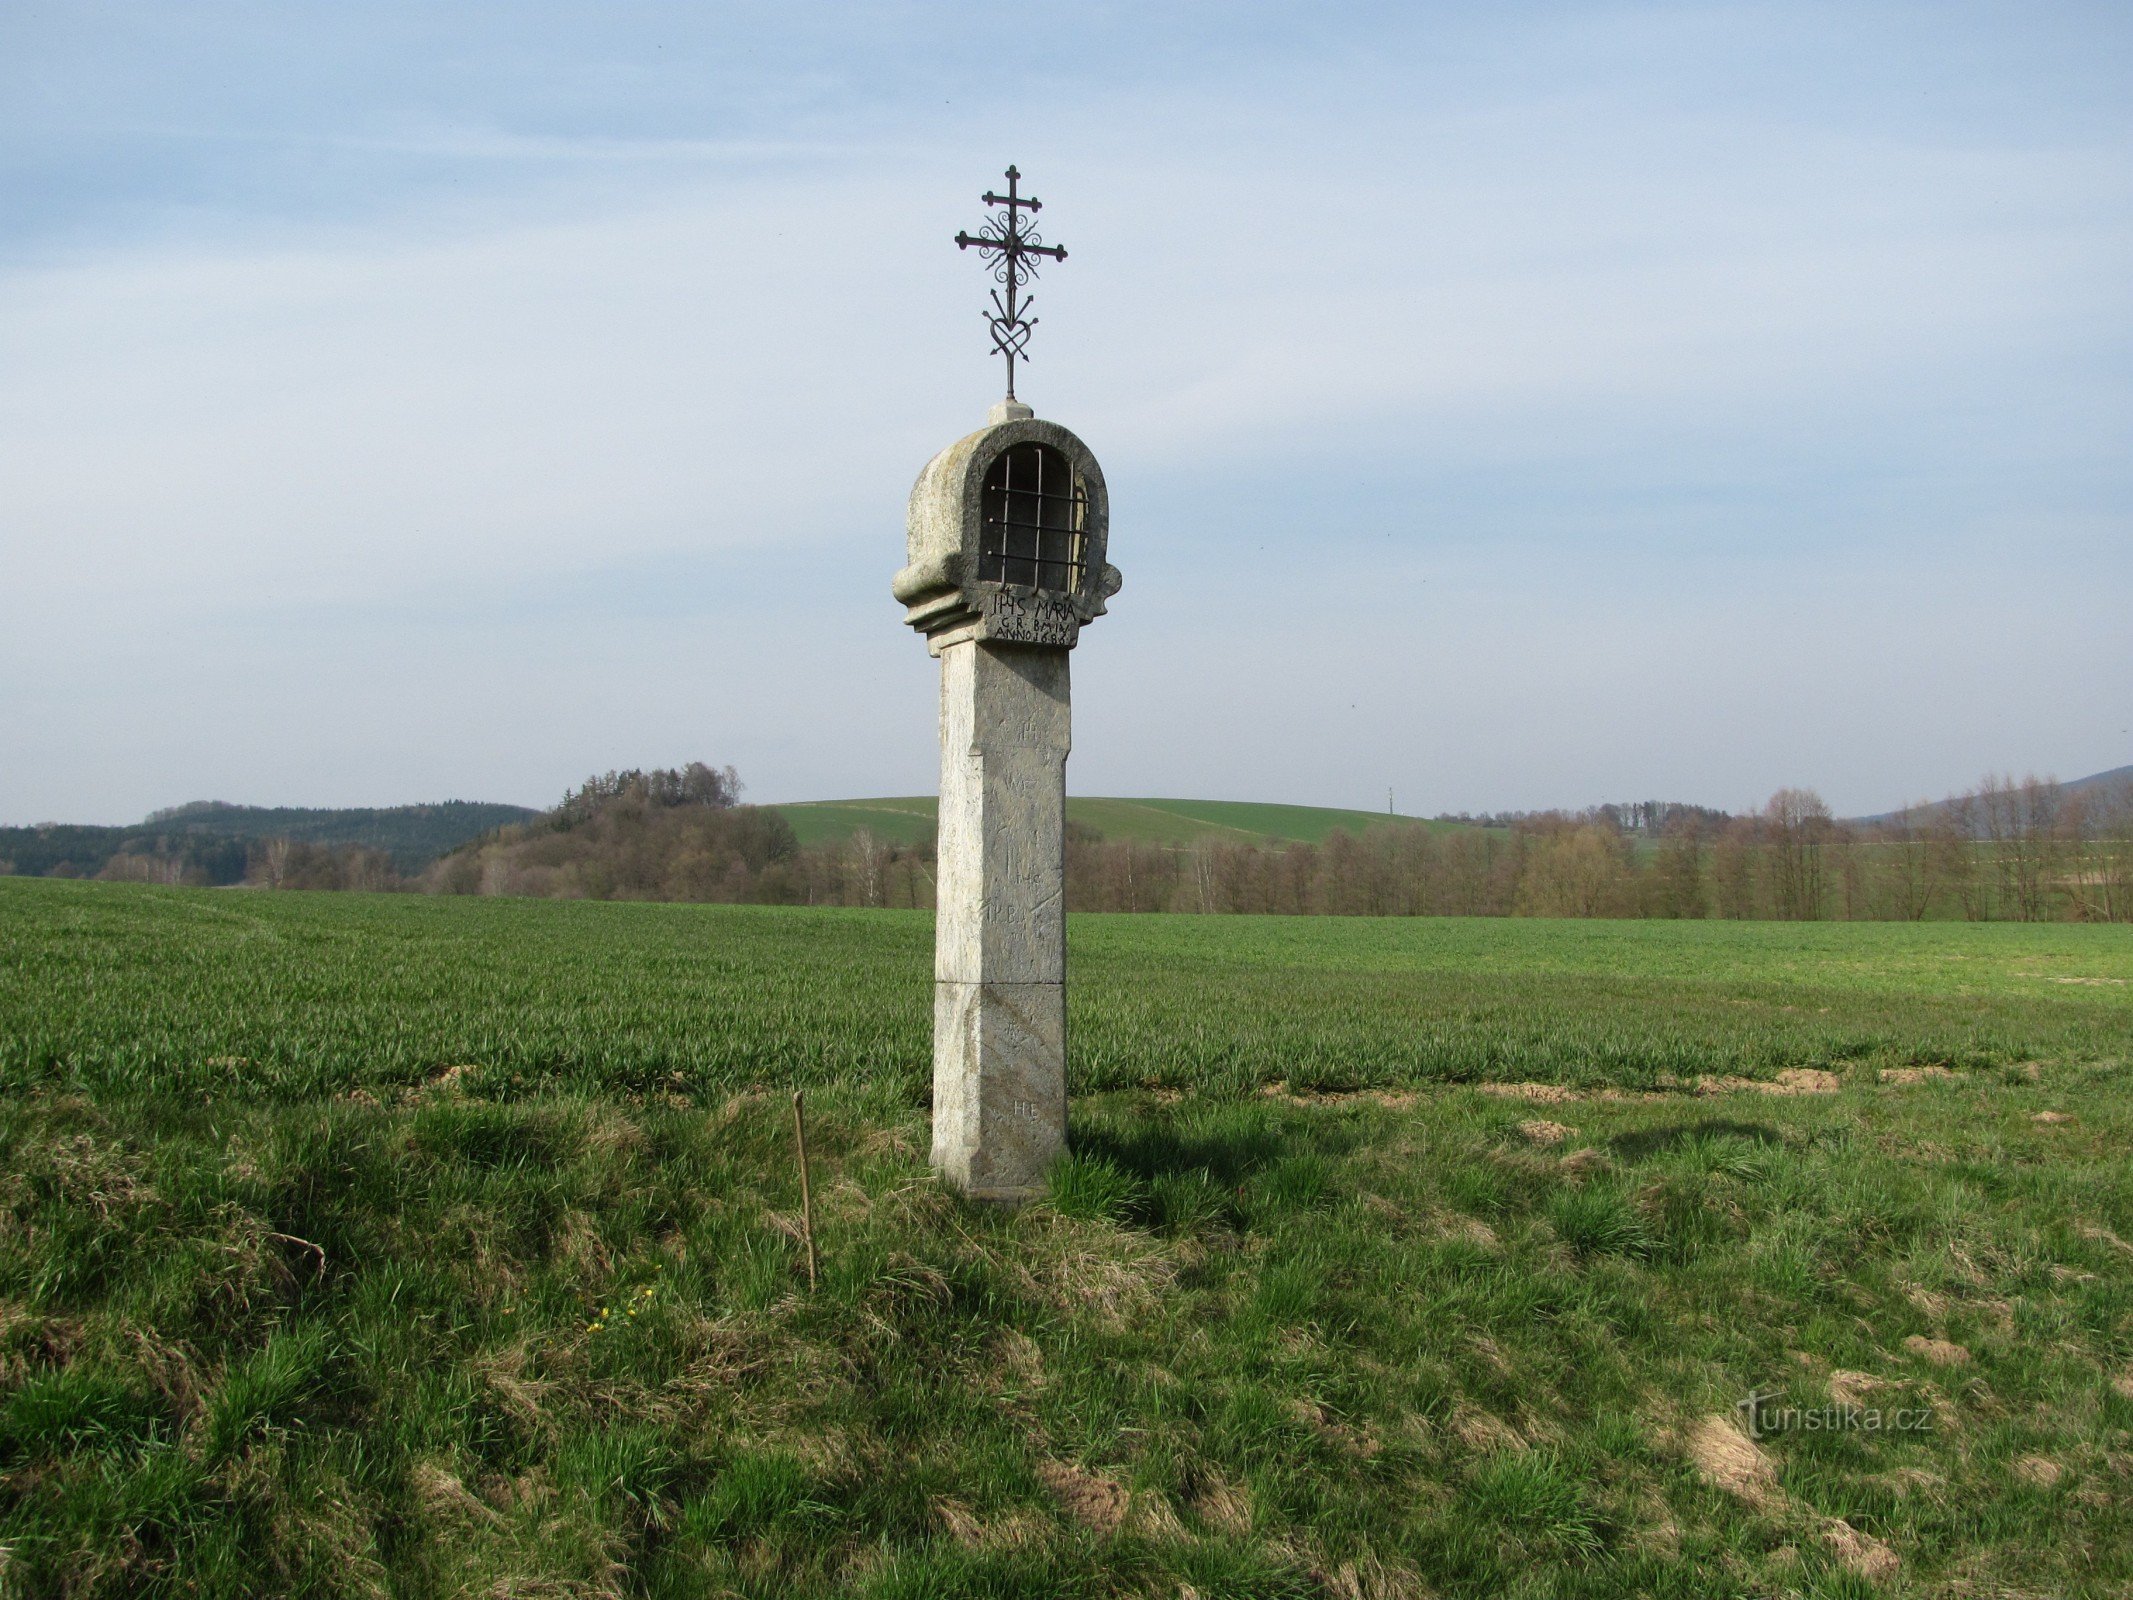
column 1006, row 548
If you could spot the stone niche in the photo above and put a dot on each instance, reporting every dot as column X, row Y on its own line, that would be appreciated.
column 1006, row 538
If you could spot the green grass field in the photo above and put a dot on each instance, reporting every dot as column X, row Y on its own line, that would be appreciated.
column 907, row 820
column 394, row 1245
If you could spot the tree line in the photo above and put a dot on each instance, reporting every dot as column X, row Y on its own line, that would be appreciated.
column 213, row 842
column 2028, row 850
column 2016, row 851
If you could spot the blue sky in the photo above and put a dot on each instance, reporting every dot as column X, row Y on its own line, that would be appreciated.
column 1504, row 405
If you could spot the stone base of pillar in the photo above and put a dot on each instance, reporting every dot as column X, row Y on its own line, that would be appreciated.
column 999, row 1086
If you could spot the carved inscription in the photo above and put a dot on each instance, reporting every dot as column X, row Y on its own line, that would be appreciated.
column 1024, row 618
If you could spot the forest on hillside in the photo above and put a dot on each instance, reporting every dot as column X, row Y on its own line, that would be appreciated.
column 2029, row 850
column 214, row 842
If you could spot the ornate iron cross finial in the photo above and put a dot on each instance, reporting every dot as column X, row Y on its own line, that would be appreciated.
column 1015, row 243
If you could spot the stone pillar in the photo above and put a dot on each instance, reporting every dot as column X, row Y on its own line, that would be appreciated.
column 1007, row 534
column 999, row 969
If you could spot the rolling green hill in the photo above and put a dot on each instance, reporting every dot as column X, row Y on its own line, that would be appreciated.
column 908, row 819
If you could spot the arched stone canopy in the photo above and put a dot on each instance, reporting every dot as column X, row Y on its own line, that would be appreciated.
column 945, row 591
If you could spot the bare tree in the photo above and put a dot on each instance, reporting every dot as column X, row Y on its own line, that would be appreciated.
column 2111, row 856
column 1912, row 864
column 1733, row 868
column 2023, row 827
column 1798, row 826
column 274, row 862
column 1577, row 872
column 869, row 861
column 1677, row 870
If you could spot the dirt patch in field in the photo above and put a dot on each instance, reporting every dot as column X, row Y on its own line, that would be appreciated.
column 1355, row 1441
column 1730, row 1460
column 1115, row 1288
column 1391, row 1099
column 451, row 1079
column 2051, row 1119
column 1734, row 1462
column 1907, row 1481
column 1225, row 1506
column 2040, row 1472
column 1021, row 1360
column 443, row 1494
column 1094, row 1502
column 1485, row 1431
column 1373, row 1578
column 1941, row 1352
column 1559, row 1094
column 1581, row 1164
column 1789, row 1081
column 1792, row 1080
column 1547, row 1094
column 1153, row 1518
column 1852, row 1388
column 1457, row 1225
column 973, row 1532
column 1933, row 1305
column 1860, row 1553
column 1539, row 1130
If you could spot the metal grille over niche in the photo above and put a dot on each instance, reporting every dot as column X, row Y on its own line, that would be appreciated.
column 1035, row 511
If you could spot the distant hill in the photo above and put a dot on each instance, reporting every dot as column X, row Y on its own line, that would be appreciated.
column 2115, row 778
column 210, row 835
column 908, row 819
column 413, row 836
column 2094, row 783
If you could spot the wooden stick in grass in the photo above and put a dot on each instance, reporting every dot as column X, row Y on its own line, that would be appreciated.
column 807, row 1198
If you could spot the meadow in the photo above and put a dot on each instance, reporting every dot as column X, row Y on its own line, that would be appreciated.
column 365, row 1245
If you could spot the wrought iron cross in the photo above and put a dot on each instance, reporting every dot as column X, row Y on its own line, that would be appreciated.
column 1015, row 242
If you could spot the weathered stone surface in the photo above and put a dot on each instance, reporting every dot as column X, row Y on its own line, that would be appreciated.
column 999, row 1038
column 999, row 1085
column 942, row 595
column 1005, row 734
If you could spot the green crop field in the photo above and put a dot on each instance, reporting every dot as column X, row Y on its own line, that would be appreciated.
column 907, row 820
column 358, row 1245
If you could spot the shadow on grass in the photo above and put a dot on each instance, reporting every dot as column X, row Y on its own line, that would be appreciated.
column 1646, row 1142
column 1239, row 1167
column 1227, row 1156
